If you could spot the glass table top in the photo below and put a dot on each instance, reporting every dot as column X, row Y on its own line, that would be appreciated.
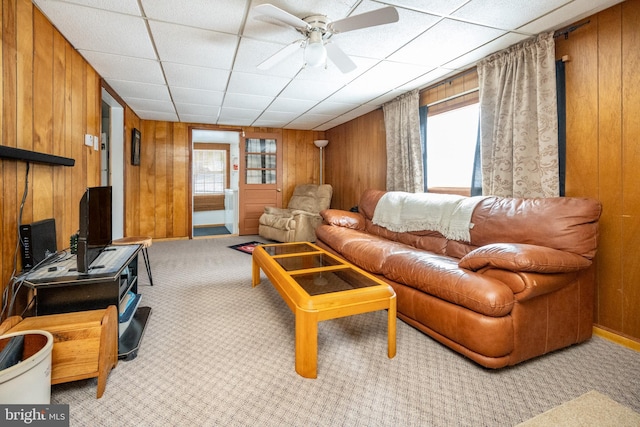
column 331, row 275
column 305, row 261
column 289, row 249
column 325, row 282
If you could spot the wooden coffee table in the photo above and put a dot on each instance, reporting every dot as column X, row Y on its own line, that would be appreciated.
column 317, row 286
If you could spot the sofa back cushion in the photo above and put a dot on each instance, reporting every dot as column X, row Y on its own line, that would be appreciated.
column 311, row 197
column 564, row 223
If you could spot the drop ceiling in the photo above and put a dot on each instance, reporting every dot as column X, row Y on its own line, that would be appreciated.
column 196, row 60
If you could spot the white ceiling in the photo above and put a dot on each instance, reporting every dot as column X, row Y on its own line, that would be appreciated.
column 195, row 60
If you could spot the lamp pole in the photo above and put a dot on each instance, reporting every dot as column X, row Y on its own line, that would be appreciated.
column 321, row 143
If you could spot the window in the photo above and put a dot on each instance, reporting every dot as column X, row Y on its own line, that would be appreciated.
column 210, row 172
column 260, row 161
column 450, row 148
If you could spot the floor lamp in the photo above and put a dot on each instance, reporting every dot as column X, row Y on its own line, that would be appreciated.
column 321, row 143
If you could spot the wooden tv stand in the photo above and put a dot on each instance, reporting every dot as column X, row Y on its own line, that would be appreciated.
column 59, row 288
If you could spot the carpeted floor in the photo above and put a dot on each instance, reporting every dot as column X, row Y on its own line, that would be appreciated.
column 218, row 352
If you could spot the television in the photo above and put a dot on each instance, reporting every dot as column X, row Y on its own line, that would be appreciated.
column 95, row 226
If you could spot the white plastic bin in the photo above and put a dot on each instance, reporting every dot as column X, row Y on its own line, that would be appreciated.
column 29, row 381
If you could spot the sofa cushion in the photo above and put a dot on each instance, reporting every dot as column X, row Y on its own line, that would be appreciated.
column 440, row 276
column 364, row 250
column 344, row 219
column 565, row 223
column 523, row 258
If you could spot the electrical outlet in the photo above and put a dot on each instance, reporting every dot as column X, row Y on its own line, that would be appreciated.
column 88, row 140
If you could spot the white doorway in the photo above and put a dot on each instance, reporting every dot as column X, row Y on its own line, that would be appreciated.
column 215, row 211
column 112, row 159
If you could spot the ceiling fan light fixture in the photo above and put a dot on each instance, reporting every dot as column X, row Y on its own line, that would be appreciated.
column 315, row 54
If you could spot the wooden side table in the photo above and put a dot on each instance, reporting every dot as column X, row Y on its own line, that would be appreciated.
column 145, row 241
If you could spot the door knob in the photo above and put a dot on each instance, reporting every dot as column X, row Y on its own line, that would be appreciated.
column 279, row 190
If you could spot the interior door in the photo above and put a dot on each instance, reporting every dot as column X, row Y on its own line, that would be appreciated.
column 260, row 178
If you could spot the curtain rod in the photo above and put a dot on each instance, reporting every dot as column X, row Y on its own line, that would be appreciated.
column 565, row 31
column 449, row 98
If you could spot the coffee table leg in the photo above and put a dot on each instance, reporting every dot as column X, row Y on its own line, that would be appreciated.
column 391, row 328
column 255, row 273
column 307, row 343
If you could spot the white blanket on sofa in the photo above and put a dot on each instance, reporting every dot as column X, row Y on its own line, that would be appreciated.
column 448, row 214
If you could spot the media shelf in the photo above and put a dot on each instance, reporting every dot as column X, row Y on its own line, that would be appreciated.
column 59, row 288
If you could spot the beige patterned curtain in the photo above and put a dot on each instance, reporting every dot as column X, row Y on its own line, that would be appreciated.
column 519, row 120
column 404, row 152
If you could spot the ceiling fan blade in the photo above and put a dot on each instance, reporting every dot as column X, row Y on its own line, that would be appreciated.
column 279, row 55
column 386, row 15
column 339, row 58
column 279, row 14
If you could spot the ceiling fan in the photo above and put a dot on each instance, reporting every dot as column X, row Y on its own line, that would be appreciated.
column 316, row 30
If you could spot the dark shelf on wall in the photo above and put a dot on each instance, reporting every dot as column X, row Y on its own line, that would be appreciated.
column 34, row 156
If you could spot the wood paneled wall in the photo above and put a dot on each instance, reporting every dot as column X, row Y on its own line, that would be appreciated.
column 356, row 158
column 157, row 191
column 50, row 99
column 603, row 151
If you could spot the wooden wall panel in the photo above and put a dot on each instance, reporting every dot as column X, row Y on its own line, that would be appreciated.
column 356, row 158
column 131, row 178
column 608, row 157
column 301, row 160
column 603, row 140
column 50, row 99
column 630, row 49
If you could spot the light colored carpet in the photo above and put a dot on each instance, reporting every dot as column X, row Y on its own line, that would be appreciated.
column 590, row 409
column 218, row 352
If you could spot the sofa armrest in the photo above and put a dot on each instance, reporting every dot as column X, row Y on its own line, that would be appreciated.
column 272, row 210
column 342, row 218
column 523, row 257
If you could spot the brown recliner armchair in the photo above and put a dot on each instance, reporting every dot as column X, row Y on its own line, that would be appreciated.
column 298, row 222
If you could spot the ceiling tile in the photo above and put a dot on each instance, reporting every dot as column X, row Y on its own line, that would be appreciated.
column 193, row 46
column 219, row 15
column 276, row 117
column 150, row 105
column 140, row 90
column 193, row 77
column 311, row 90
column 238, row 116
column 155, row 115
column 196, row 109
column 297, row 106
column 190, row 118
column 436, row 7
column 125, row 68
column 443, row 42
column 185, row 95
column 241, row 100
column 506, row 14
column 122, row 6
column 256, row 84
column 332, row 108
column 380, row 79
column 381, row 41
column 99, row 30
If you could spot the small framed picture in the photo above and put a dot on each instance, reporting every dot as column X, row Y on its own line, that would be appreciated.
column 135, row 147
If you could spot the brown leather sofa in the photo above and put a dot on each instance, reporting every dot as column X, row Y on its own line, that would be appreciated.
column 521, row 287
